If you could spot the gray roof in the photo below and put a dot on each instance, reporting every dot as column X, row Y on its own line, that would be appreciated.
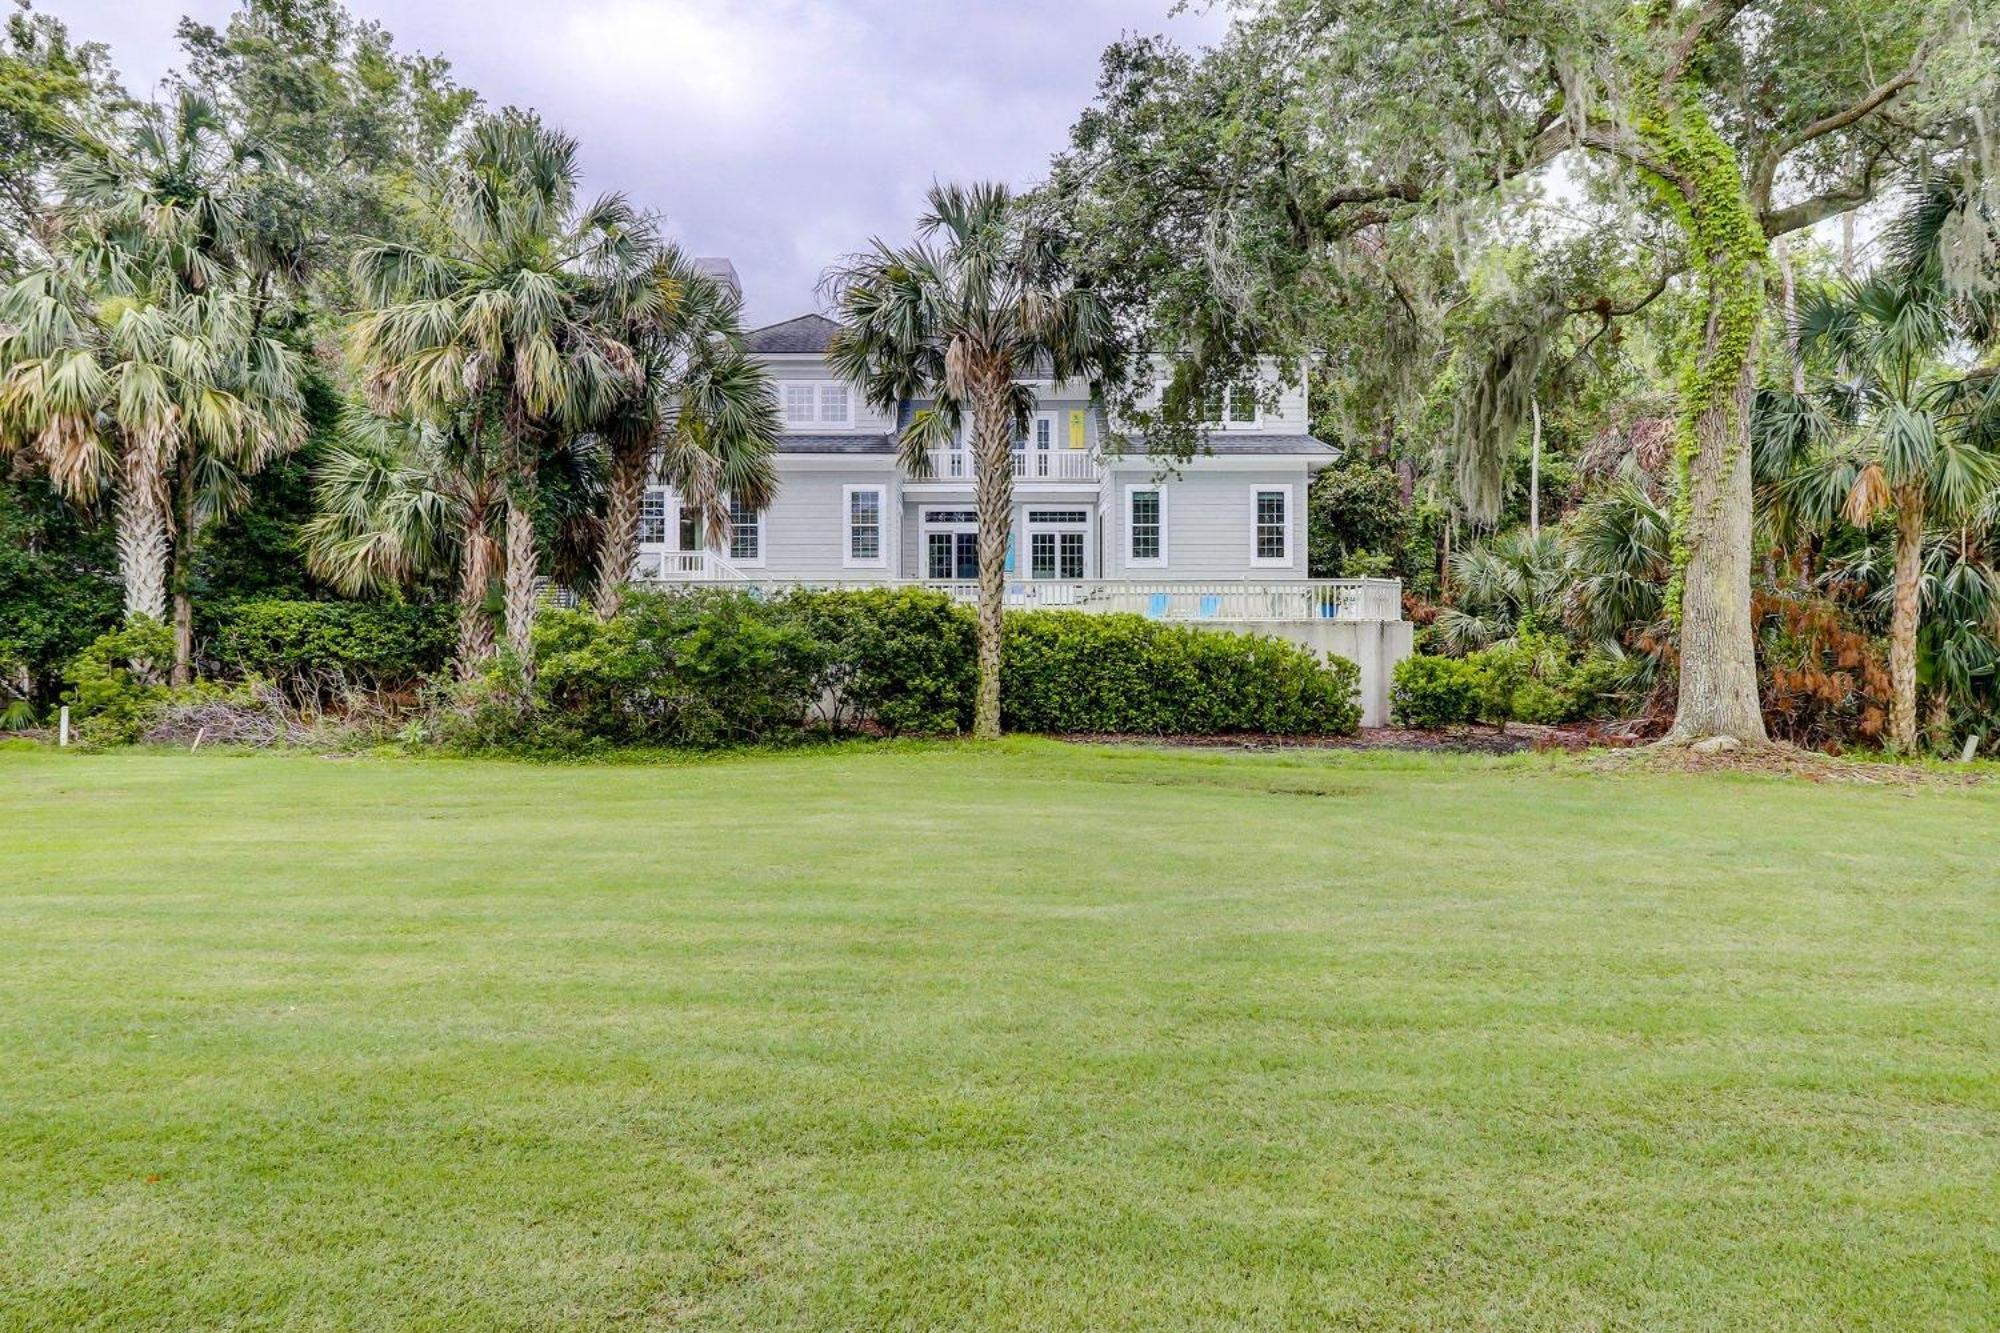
column 836, row 444
column 1229, row 444
column 806, row 333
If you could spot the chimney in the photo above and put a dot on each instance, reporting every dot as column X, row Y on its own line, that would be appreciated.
column 722, row 272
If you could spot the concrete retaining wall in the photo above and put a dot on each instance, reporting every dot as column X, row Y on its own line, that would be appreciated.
column 1373, row 645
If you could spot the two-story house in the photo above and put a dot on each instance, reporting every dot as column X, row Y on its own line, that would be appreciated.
column 1219, row 539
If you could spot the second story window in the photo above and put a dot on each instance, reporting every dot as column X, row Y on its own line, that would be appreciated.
column 1146, row 524
column 817, row 403
column 864, row 525
column 1236, row 406
column 653, row 517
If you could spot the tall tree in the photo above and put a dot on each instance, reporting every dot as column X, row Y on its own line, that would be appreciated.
column 509, row 311
column 1322, row 136
column 704, row 420
column 980, row 303
column 1898, row 432
column 56, row 96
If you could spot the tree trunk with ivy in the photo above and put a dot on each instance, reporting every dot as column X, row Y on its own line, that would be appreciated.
column 993, row 489
column 1903, row 620
column 1713, row 506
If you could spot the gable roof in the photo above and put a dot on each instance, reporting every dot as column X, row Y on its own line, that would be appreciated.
column 806, row 333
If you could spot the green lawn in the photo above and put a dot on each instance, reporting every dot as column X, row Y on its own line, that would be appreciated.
column 1035, row 1037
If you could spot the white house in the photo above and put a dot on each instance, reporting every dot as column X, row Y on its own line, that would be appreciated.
column 1217, row 541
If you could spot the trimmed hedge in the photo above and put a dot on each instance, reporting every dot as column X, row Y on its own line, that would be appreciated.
column 315, row 648
column 713, row 667
column 1078, row 672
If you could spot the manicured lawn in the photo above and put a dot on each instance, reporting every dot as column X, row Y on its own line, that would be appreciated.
column 1033, row 1038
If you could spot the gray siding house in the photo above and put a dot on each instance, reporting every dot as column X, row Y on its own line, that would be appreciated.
column 1217, row 541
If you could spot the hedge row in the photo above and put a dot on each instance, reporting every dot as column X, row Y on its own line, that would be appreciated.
column 711, row 667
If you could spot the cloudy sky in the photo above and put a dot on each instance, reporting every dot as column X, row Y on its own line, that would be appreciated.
column 781, row 133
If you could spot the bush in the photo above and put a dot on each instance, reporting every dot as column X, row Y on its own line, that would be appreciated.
column 317, row 649
column 1434, row 692
column 708, row 668
column 901, row 659
column 1073, row 671
column 115, row 682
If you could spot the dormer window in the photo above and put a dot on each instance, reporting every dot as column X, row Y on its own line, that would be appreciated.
column 817, row 403
column 1236, row 407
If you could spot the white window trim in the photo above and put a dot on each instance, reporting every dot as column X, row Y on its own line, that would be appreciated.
column 669, row 516
column 1131, row 560
column 1290, row 493
column 816, row 422
column 727, row 551
column 847, row 557
column 1254, row 388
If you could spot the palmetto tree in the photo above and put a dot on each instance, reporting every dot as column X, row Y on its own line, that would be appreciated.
column 1500, row 584
column 1890, row 429
column 509, row 313
column 116, row 376
column 397, row 501
column 979, row 303
column 703, row 420
column 139, row 352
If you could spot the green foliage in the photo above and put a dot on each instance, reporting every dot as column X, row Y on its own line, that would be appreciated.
column 1356, row 523
column 710, row 668
column 1072, row 671
column 313, row 649
column 115, row 681
column 58, row 586
column 901, row 659
column 1433, row 692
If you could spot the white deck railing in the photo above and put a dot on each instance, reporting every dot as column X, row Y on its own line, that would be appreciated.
column 657, row 566
column 1029, row 465
column 1300, row 599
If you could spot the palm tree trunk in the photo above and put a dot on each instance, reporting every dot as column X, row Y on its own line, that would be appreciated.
column 181, row 575
column 993, row 488
column 142, row 534
column 478, row 562
column 1903, row 621
column 618, row 546
column 520, row 584
column 1718, row 672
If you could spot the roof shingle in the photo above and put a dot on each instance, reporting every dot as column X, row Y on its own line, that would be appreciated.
column 806, row 333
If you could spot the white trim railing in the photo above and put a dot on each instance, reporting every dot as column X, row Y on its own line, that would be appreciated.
column 1173, row 600
column 1029, row 465
column 655, row 565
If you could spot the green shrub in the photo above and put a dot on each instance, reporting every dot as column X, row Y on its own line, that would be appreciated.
column 903, row 659
column 316, row 649
column 1434, row 692
column 1077, row 672
column 117, row 679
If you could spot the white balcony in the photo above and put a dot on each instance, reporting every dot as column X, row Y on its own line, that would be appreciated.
column 655, row 565
column 1029, row 465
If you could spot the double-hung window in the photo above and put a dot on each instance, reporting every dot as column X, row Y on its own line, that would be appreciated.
column 746, row 533
column 1145, row 525
column 1271, row 525
column 817, row 403
column 653, row 517
column 864, row 505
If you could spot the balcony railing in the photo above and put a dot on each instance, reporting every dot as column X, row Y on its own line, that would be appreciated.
column 1029, row 465
column 657, row 566
column 1301, row 599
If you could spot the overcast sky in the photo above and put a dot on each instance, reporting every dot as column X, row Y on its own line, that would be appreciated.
column 782, row 133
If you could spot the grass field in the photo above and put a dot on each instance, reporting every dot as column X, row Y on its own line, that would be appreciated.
column 1033, row 1037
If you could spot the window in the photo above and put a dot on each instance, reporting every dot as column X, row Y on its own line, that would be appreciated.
column 1271, row 529
column 864, row 525
column 817, row 403
column 1146, row 525
column 1045, row 433
column 833, row 404
column 653, row 517
column 1235, row 406
column 951, row 516
column 1055, row 555
column 691, row 534
column 1058, row 516
column 746, row 532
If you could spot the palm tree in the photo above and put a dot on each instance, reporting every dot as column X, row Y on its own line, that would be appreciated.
column 114, row 375
column 399, row 501
column 704, row 420
column 1889, row 429
column 151, row 236
column 508, row 313
column 979, row 303
column 1501, row 586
